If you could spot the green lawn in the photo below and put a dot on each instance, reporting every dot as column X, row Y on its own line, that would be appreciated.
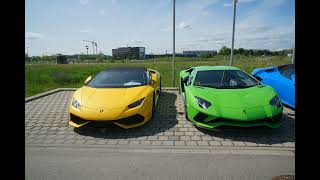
column 44, row 77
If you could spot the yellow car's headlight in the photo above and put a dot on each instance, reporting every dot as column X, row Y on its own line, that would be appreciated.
column 75, row 103
column 137, row 103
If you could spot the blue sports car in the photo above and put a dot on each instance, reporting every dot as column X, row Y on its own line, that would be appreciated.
column 282, row 79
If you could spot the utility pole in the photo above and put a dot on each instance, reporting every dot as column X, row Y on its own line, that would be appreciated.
column 233, row 27
column 173, row 52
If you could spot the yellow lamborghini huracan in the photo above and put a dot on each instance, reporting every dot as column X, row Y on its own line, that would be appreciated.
column 124, row 96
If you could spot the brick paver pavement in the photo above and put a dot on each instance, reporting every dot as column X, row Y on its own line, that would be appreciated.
column 46, row 124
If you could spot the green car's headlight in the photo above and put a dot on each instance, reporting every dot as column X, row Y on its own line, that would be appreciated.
column 203, row 103
column 275, row 101
column 75, row 103
column 137, row 103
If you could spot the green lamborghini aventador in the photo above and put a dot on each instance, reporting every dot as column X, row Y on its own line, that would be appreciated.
column 225, row 95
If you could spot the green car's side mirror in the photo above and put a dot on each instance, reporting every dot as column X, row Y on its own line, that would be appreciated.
column 87, row 80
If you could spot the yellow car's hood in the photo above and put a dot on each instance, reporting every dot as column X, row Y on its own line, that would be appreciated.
column 110, row 97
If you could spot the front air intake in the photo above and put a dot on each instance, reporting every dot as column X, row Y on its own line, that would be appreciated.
column 200, row 117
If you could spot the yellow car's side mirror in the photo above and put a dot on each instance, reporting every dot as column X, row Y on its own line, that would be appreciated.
column 87, row 80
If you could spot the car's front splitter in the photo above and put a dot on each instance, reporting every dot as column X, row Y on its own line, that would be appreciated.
column 128, row 122
column 237, row 124
column 272, row 119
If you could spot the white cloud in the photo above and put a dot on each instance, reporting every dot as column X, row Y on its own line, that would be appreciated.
column 245, row 1
column 114, row 1
column 84, row 30
column 227, row 4
column 239, row 2
column 256, row 36
column 137, row 41
column 183, row 25
column 168, row 28
column 164, row 3
column 204, row 13
column 84, row 2
column 101, row 12
column 179, row 26
column 201, row 4
column 31, row 35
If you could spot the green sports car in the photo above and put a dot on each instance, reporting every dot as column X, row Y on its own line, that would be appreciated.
column 224, row 95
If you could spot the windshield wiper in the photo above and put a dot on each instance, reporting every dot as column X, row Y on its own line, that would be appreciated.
column 207, row 86
column 236, row 87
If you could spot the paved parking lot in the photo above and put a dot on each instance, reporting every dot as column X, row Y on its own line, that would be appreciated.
column 46, row 125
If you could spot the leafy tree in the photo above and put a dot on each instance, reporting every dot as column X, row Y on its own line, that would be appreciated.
column 241, row 51
column 224, row 51
column 235, row 51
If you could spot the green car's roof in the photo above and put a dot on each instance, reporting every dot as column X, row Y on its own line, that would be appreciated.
column 203, row 68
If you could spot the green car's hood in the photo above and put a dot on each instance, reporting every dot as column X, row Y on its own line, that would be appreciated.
column 235, row 98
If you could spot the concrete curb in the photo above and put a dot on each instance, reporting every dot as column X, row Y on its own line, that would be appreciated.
column 170, row 149
column 48, row 93
column 28, row 99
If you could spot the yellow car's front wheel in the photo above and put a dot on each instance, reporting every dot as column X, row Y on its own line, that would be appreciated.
column 153, row 106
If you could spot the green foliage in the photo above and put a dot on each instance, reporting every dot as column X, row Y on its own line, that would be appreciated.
column 224, row 51
column 43, row 77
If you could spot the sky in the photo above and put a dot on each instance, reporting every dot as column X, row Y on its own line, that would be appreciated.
column 60, row 26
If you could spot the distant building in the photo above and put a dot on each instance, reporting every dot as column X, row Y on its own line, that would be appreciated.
column 199, row 53
column 129, row 53
column 61, row 59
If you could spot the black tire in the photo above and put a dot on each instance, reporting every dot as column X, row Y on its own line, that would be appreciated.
column 185, row 109
column 153, row 106
column 160, row 87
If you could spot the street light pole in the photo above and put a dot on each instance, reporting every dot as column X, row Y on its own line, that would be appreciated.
column 173, row 52
column 92, row 48
column 96, row 47
column 233, row 26
column 87, row 49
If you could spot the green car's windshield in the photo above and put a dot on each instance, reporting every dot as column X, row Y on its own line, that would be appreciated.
column 224, row 79
column 119, row 78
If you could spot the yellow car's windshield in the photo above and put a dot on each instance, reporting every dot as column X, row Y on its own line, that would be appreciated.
column 119, row 78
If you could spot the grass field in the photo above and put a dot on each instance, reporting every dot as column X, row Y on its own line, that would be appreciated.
column 44, row 77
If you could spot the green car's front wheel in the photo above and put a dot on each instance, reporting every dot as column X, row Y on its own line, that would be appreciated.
column 185, row 109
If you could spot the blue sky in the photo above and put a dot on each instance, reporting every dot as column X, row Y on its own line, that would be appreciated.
column 59, row 26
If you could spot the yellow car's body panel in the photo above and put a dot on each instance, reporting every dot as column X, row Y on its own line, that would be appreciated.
column 111, row 104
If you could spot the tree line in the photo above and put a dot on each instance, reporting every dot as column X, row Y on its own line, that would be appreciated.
column 72, row 58
column 225, row 51
column 253, row 52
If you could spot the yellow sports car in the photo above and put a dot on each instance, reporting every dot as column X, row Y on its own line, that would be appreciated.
column 126, row 97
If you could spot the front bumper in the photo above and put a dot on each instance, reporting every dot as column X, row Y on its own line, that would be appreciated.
column 124, row 117
column 264, row 116
column 128, row 122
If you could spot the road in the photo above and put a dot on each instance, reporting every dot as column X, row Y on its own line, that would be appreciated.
column 168, row 147
column 96, row 163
